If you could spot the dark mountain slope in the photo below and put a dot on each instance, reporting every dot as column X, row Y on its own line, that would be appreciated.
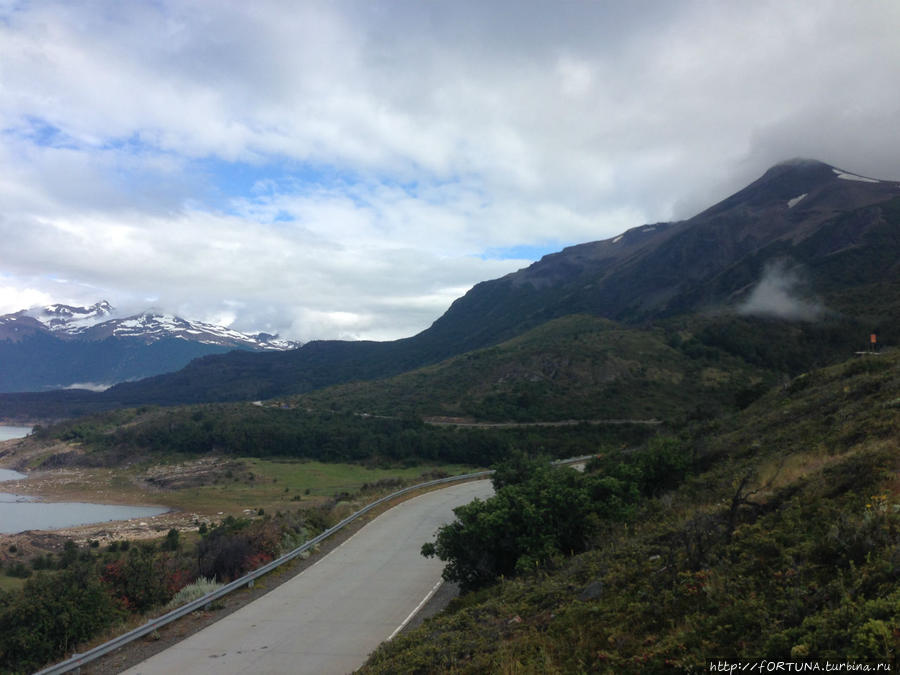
column 664, row 269
column 44, row 361
column 840, row 228
column 575, row 367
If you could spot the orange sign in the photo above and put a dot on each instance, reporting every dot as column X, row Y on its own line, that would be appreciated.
column 872, row 338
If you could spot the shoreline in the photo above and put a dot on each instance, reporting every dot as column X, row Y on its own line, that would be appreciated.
column 83, row 486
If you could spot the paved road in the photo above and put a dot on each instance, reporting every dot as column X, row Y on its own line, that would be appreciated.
column 330, row 617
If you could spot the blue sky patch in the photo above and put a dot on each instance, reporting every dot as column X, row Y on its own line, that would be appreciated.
column 522, row 251
column 42, row 133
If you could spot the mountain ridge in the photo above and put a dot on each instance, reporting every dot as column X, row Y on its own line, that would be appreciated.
column 64, row 346
column 99, row 322
column 837, row 230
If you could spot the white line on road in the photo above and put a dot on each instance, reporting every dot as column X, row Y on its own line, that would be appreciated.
column 416, row 610
column 330, row 617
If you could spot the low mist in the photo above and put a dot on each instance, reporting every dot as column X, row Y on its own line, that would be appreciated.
column 781, row 293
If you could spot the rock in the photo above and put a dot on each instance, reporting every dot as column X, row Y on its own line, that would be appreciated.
column 592, row 591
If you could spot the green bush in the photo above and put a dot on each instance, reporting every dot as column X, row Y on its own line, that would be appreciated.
column 538, row 512
column 18, row 569
column 53, row 614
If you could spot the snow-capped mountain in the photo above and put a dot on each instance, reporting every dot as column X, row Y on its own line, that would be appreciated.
column 59, row 346
column 68, row 319
column 154, row 326
column 99, row 322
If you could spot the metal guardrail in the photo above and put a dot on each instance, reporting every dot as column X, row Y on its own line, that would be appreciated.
column 78, row 660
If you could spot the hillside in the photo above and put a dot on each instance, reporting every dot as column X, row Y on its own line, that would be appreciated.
column 576, row 367
column 780, row 543
column 805, row 243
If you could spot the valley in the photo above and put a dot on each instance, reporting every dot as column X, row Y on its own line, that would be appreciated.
column 742, row 499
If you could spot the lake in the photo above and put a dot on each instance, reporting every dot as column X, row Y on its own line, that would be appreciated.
column 7, row 432
column 19, row 513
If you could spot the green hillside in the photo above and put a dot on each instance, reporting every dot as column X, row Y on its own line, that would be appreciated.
column 781, row 542
column 577, row 367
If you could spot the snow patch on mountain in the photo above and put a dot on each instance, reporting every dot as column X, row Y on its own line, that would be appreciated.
column 844, row 175
column 89, row 386
column 796, row 200
column 67, row 319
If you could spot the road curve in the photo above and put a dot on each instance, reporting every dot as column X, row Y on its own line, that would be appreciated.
column 329, row 618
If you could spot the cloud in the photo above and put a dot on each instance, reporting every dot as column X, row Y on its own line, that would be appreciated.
column 781, row 294
column 90, row 386
column 302, row 163
column 14, row 298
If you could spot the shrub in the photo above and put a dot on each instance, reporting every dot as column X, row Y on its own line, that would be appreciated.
column 171, row 542
column 51, row 616
column 19, row 570
column 522, row 526
column 139, row 581
column 223, row 554
column 193, row 591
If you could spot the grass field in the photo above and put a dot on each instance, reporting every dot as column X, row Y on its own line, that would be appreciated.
column 272, row 485
column 226, row 485
column 10, row 583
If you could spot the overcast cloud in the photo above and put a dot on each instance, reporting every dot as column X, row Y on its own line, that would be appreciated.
column 347, row 169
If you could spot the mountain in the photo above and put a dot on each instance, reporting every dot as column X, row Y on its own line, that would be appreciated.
column 805, row 256
column 576, row 367
column 801, row 212
column 60, row 346
column 98, row 323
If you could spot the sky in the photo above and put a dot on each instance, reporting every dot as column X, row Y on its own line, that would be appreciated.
column 346, row 169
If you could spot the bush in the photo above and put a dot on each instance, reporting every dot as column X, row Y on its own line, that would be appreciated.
column 18, row 570
column 139, row 581
column 51, row 616
column 522, row 526
column 662, row 465
column 224, row 555
column 171, row 542
column 193, row 591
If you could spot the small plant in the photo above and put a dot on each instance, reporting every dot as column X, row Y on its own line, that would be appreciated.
column 193, row 591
